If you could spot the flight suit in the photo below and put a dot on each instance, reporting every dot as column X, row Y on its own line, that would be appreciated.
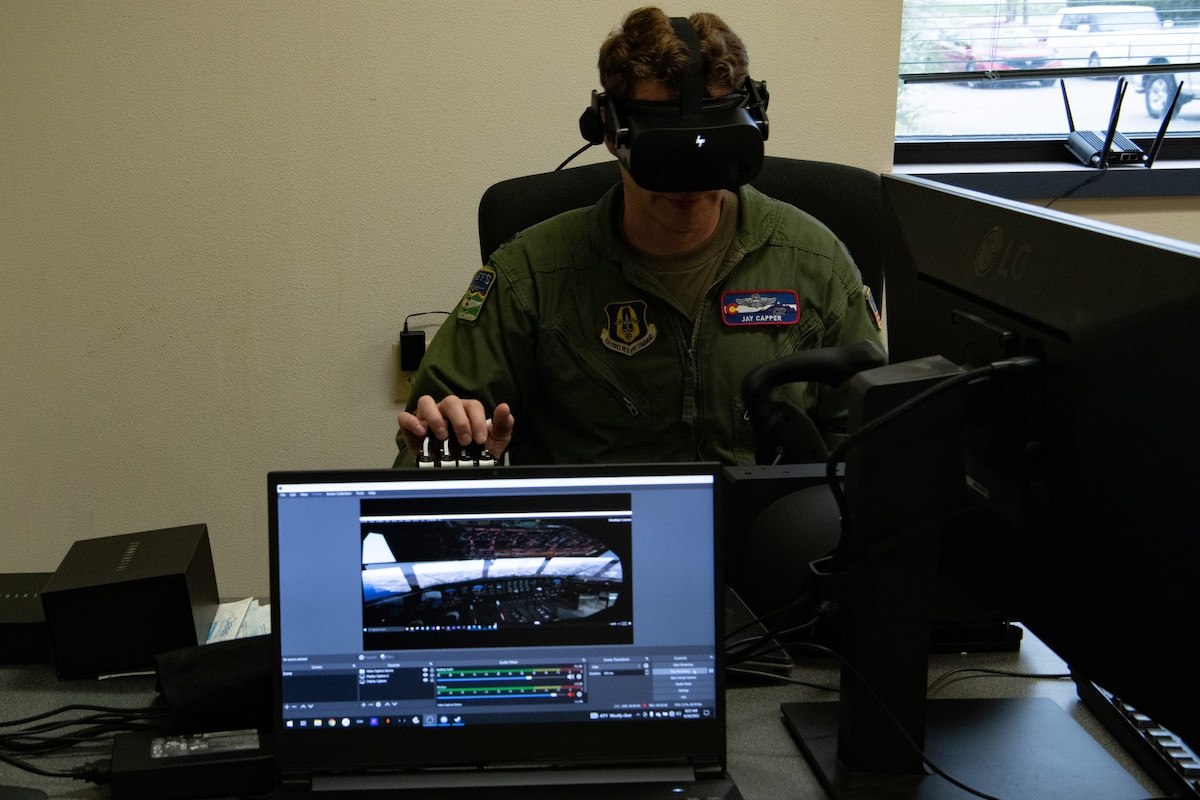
column 598, row 364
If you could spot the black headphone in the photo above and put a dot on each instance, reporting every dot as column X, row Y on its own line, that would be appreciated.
column 694, row 144
column 591, row 122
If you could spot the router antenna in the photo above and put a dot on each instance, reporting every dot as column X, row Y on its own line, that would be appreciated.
column 1122, row 84
column 1100, row 149
column 1162, row 129
column 1070, row 119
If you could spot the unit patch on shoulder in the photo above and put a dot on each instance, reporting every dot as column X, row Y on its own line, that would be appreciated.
column 760, row 308
column 628, row 332
column 477, row 292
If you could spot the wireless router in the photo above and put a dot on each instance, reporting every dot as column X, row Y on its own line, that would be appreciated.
column 1104, row 149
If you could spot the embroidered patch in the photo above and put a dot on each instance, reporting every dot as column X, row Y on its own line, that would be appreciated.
column 628, row 332
column 760, row 308
column 477, row 292
column 873, row 309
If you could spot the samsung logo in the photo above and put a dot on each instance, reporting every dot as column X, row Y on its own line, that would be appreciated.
column 1002, row 257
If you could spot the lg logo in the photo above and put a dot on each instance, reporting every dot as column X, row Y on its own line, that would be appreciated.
column 997, row 255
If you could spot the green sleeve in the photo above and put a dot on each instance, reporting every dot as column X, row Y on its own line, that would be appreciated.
column 482, row 352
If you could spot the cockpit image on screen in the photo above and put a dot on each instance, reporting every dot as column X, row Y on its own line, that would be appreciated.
column 484, row 579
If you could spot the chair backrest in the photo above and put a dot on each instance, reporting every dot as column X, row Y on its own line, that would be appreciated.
column 845, row 198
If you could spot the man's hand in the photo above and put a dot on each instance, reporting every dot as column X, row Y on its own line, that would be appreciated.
column 467, row 419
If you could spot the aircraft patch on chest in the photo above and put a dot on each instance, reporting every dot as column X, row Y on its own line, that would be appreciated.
column 760, row 307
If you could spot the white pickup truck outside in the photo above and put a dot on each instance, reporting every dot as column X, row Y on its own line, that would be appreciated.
column 1100, row 36
column 1129, row 35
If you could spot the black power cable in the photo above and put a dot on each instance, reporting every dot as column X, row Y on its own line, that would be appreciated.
column 40, row 735
column 744, row 650
column 996, row 368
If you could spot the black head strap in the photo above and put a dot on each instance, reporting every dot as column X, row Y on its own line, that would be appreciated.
column 692, row 90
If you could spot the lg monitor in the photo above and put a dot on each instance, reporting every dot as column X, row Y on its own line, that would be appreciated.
column 1044, row 461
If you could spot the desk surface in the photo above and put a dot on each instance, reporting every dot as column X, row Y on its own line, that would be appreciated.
column 763, row 757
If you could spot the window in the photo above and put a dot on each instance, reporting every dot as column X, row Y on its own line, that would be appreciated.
column 983, row 80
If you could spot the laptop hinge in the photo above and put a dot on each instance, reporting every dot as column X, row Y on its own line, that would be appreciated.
column 708, row 770
column 296, row 782
column 490, row 778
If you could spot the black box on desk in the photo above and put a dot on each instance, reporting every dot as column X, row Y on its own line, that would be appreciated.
column 23, row 635
column 116, row 602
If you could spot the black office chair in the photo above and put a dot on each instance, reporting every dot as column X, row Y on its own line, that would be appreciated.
column 845, row 198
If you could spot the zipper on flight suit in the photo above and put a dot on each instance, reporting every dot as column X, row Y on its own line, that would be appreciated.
column 697, row 320
column 734, row 260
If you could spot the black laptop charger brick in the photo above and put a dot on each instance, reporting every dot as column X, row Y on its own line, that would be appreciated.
column 149, row 765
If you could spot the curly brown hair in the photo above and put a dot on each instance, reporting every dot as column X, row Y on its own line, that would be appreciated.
column 645, row 47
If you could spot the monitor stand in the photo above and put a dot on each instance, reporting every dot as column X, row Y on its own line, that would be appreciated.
column 903, row 480
column 1027, row 748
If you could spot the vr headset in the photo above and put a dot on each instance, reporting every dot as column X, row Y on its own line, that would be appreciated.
column 694, row 144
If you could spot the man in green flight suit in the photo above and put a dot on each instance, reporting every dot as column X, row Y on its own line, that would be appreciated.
column 622, row 332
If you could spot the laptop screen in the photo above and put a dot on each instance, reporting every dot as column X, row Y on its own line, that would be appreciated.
column 493, row 615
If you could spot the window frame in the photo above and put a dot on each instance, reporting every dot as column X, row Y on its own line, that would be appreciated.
column 1039, row 165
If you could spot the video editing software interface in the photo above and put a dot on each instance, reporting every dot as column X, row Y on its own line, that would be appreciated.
column 468, row 601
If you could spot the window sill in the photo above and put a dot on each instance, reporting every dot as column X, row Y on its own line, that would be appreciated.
column 1037, row 168
column 1042, row 180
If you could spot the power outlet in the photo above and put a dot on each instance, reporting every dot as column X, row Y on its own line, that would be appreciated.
column 402, row 380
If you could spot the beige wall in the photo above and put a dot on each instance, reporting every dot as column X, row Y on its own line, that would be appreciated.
column 214, row 216
column 1176, row 217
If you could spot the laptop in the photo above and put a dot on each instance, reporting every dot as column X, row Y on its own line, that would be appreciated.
column 499, row 632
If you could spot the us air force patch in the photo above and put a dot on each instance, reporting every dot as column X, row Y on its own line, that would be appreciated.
column 628, row 332
column 760, row 308
column 477, row 292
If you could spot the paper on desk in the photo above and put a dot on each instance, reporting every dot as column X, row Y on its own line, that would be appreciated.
column 257, row 621
column 240, row 619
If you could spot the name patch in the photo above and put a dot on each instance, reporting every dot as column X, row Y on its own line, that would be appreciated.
column 760, row 308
